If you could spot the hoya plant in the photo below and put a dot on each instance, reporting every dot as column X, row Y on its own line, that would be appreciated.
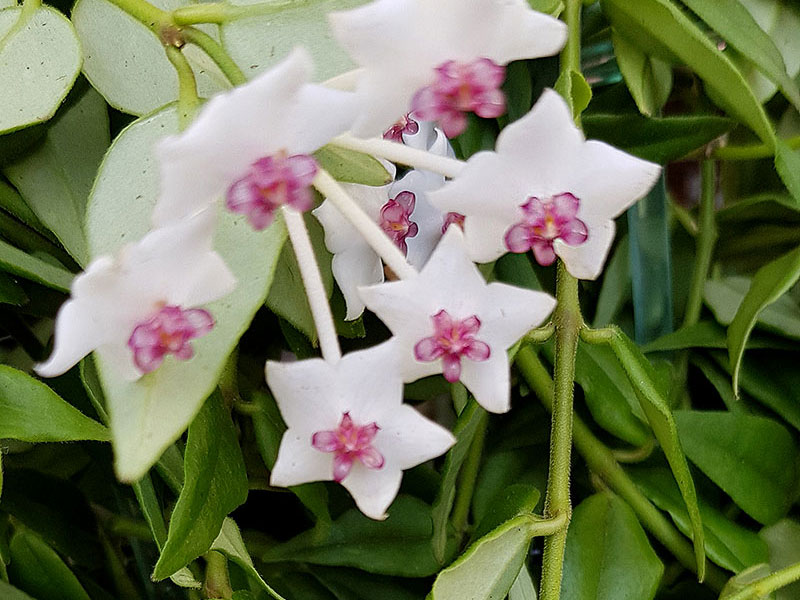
column 399, row 300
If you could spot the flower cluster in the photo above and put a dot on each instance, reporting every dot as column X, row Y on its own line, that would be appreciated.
column 543, row 189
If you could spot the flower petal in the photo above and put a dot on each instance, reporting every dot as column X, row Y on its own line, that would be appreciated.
column 512, row 312
column 489, row 381
column 586, row 261
column 373, row 489
column 352, row 268
column 410, row 439
column 303, row 391
column 235, row 129
column 299, row 462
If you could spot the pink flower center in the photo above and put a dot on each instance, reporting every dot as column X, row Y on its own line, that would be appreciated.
column 453, row 218
column 349, row 442
column 460, row 88
column 168, row 331
column 271, row 182
column 545, row 221
column 395, row 219
column 451, row 340
column 405, row 125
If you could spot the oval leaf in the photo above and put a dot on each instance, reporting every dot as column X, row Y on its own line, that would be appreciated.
column 770, row 283
column 126, row 62
column 32, row 412
column 148, row 415
column 648, row 79
column 608, row 555
column 40, row 53
column 753, row 459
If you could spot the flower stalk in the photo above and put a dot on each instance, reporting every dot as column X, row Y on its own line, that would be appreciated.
column 312, row 281
column 216, row 53
column 188, row 100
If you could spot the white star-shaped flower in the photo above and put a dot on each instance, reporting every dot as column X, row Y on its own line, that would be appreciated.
column 347, row 423
column 546, row 189
column 253, row 145
column 439, row 58
column 449, row 320
column 141, row 306
column 355, row 263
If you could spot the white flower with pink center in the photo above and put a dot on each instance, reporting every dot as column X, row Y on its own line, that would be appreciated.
column 449, row 320
column 140, row 307
column 405, row 126
column 253, row 145
column 347, row 423
column 414, row 226
column 546, row 189
column 445, row 59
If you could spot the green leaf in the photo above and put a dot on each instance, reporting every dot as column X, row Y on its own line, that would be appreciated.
column 513, row 501
column 523, row 587
column 724, row 297
column 773, row 379
column 349, row 166
column 215, row 483
column 149, row 414
column 350, row 584
column 737, row 26
column 37, row 569
column 56, row 178
column 573, row 87
column 643, row 378
column 609, row 395
column 770, row 283
column 659, row 28
column 608, row 555
column 787, row 163
column 229, row 542
column 469, row 421
column 658, row 139
column 727, row 543
column 32, row 412
column 518, row 89
column 489, row 567
column 783, row 541
column 126, row 62
column 753, row 459
column 9, row 592
column 287, row 295
column 19, row 263
column 616, row 288
column 11, row 292
column 40, row 53
column 649, row 79
column 285, row 27
column 400, row 545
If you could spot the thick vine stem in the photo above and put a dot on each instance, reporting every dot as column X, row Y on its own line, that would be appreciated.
column 763, row 587
column 400, row 153
column 222, row 12
column 217, row 581
column 148, row 15
column 312, row 281
column 601, row 462
column 372, row 233
column 568, row 322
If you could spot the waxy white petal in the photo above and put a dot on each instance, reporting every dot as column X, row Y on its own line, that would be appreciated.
column 451, row 282
column 400, row 42
column 313, row 396
column 173, row 265
column 277, row 111
column 541, row 155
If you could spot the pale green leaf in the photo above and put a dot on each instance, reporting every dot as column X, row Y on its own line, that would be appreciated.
column 349, row 166
column 40, row 53
column 149, row 414
column 649, row 79
column 56, row 178
column 523, row 587
column 259, row 42
column 126, row 62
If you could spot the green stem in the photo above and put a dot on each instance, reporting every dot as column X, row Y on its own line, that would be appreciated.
column 217, row 583
column 469, row 476
column 216, row 53
column 148, row 15
column 541, row 526
column 222, row 12
column 188, row 100
column 751, row 151
column 600, row 461
column 763, row 587
column 540, row 335
column 567, row 319
column 706, row 240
